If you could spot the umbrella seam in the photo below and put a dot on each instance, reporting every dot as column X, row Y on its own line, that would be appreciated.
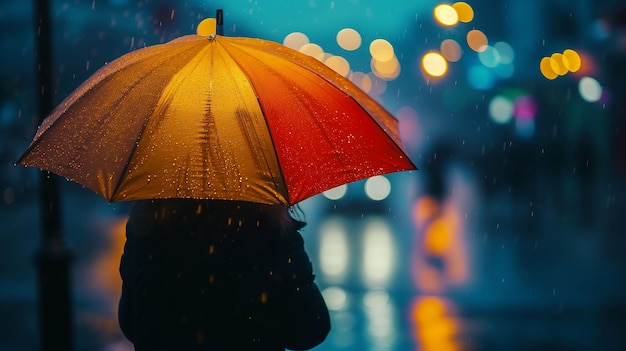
column 344, row 93
column 269, row 130
column 78, row 98
column 141, row 132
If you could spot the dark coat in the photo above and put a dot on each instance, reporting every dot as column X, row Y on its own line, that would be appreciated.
column 218, row 275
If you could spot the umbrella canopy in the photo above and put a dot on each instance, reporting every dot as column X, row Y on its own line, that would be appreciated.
column 219, row 118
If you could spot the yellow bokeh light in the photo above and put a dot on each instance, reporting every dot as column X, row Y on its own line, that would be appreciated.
column 572, row 60
column 429, row 308
column 349, row 39
column 546, row 69
column 312, row 50
column 477, row 40
column 434, row 64
column 207, row 27
column 387, row 70
column 381, row 50
column 338, row 64
column 295, row 40
column 446, row 15
column 557, row 63
column 451, row 50
column 438, row 237
column 464, row 11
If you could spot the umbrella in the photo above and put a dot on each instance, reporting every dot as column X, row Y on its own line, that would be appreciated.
column 215, row 117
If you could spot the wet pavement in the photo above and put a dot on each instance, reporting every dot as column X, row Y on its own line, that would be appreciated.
column 387, row 286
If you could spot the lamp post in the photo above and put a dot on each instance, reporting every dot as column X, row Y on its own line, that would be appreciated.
column 53, row 258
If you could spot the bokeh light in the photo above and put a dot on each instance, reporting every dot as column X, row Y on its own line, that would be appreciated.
column 379, row 86
column 361, row 80
column 501, row 109
column 336, row 298
column 525, row 107
column 489, row 56
column 525, row 127
column 590, row 89
column 334, row 250
column 410, row 128
column 438, row 236
column 336, row 193
column 506, row 52
column 434, row 64
column 377, row 188
column 446, row 15
column 571, row 60
column 546, row 68
column 313, row 50
column 381, row 50
column 349, row 39
column 464, row 11
column 557, row 64
column 477, row 40
column 480, row 77
column 378, row 253
column 451, row 50
column 387, row 70
column 338, row 64
column 295, row 40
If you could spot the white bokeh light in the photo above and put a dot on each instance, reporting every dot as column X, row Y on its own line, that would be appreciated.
column 501, row 110
column 377, row 188
column 336, row 193
column 378, row 253
column 334, row 250
column 590, row 89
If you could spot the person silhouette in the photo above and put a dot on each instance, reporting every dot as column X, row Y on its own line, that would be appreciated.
column 218, row 275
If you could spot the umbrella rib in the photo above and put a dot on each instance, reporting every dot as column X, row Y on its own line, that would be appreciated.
column 240, row 115
column 143, row 127
column 381, row 124
column 80, row 97
column 297, row 96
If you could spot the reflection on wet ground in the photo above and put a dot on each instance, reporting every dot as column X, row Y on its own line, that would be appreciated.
column 393, row 280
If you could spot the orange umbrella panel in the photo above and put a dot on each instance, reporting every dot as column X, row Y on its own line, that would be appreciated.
column 220, row 118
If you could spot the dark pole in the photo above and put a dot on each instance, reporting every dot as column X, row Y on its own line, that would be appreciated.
column 53, row 258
